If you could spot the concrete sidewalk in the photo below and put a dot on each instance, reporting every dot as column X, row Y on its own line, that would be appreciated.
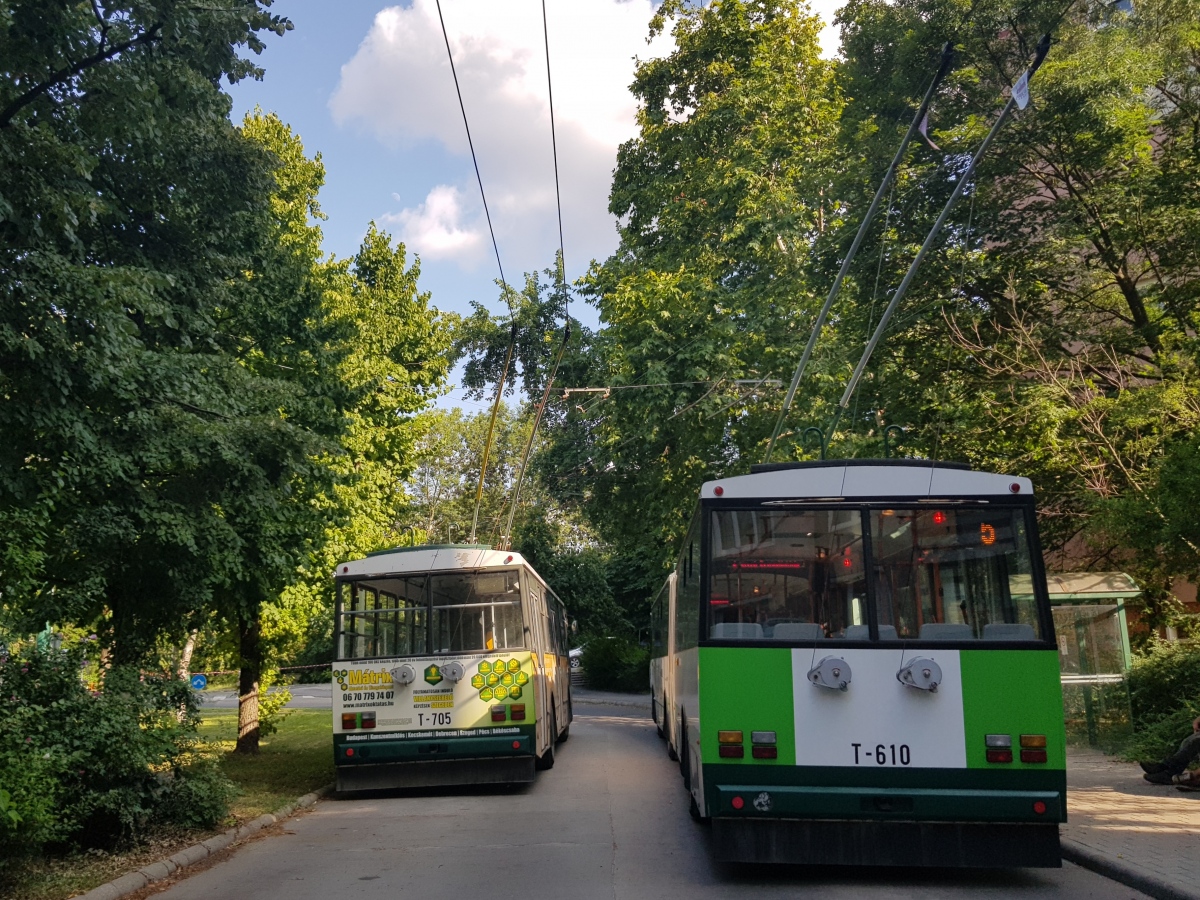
column 1146, row 836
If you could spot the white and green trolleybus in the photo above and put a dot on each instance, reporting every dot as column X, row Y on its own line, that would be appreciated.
column 855, row 664
column 451, row 668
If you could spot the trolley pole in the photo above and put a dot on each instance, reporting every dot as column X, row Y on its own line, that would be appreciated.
column 1042, row 48
column 943, row 69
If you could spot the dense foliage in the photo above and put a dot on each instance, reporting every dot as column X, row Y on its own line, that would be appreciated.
column 1165, row 698
column 92, row 769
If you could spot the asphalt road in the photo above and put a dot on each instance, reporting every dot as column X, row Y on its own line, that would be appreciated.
column 608, row 821
column 304, row 696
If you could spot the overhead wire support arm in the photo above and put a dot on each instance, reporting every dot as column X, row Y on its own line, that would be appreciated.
column 1043, row 48
column 943, row 69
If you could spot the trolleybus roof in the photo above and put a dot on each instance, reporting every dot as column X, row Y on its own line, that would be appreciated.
column 864, row 479
column 428, row 558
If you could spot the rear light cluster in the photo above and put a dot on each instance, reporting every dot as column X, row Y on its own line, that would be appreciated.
column 516, row 712
column 762, row 745
column 999, row 748
column 351, row 721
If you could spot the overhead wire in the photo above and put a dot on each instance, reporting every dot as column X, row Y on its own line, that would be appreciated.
column 503, row 281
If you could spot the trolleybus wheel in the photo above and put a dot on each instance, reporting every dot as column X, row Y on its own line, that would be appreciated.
column 658, row 722
column 546, row 760
column 684, row 756
column 694, row 810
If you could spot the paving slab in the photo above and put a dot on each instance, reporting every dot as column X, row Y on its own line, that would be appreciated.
column 1150, row 834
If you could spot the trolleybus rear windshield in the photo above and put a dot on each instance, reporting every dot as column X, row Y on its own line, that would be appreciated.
column 419, row 615
column 959, row 573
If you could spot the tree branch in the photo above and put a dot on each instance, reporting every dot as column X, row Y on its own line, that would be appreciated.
column 9, row 112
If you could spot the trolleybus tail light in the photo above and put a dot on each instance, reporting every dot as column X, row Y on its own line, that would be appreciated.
column 763, row 745
column 1033, row 748
column 939, row 517
column 762, row 737
column 718, row 490
column 764, row 752
column 737, row 802
column 516, row 745
column 349, row 751
column 1033, row 741
column 1039, row 807
column 368, row 720
column 729, row 737
column 518, row 712
column 1033, row 756
column 349, row 721
column 999, row 748
column 499, row 713
column 1015, row 487
column 731, row 751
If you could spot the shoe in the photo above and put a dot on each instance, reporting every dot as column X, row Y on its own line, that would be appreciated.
column 1164, row 777
column 1153, row 768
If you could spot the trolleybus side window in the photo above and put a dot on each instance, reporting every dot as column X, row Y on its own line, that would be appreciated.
column 687, row 608
column 959, row 573
column 787, row 574
column 477, row 611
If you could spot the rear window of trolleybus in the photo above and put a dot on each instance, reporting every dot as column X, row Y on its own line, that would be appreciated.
column 419, row 615
column 960, row 573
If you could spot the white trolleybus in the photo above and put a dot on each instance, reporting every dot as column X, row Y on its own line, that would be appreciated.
column 451, row 668
column 855, row 664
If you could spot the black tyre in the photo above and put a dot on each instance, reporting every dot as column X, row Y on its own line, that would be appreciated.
column 546, row 760
column 685, row 757
column 659, row 721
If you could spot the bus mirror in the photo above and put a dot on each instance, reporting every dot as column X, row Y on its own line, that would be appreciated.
column 404, row 674
column 832, row 672
column 921, row 673
column 453, row 672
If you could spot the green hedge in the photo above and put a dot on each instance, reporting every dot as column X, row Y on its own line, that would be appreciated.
column 83, row 769
column 616, row 664
column 1164, row 694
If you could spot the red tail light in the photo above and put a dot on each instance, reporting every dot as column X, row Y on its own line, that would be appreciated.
column 731, row 751
column 517, row 712
column 349, row 721
column 368, row 720
column 999, row 756
column 737, row 802
column 764, row 752
column 499, row 713
column 1039, row 807
column 1033, row 756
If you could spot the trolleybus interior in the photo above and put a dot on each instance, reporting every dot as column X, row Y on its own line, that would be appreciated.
column 959, row 573
column 457, row 612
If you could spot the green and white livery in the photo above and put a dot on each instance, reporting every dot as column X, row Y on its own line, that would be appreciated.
column 855, row 664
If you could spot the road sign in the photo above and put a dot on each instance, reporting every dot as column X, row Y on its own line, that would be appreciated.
column 199, row 682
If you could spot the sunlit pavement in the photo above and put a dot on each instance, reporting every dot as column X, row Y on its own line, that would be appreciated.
column 609, row 820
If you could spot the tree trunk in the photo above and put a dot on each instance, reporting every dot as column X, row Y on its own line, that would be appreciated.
column 250, row 647
column 185, row 657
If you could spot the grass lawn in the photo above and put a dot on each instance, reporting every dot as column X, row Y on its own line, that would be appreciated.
column 295, row 760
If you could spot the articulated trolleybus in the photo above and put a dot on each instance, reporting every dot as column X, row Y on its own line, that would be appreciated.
column 451, row 669
column 855, row 665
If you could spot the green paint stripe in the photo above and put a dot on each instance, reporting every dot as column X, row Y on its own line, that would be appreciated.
column 1013, row 692
column 747, row 690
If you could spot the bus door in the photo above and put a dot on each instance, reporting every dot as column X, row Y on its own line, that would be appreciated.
column 670, row 705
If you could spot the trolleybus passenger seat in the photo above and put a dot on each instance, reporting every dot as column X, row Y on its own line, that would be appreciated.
column 798, row 631
column 946, row 631
column 863, row 633
column 1008, row 631
column 744, row 630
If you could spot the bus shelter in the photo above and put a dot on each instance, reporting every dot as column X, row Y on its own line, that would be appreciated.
column 1094, row 654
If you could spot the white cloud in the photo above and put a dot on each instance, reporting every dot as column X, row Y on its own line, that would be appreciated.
column 436, row 228
column 398, row 87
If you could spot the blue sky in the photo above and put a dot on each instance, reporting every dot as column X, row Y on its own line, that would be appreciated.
column 367, row 85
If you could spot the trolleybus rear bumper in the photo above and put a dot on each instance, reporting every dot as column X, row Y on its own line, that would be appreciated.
column 436, row 773
column 891, row 843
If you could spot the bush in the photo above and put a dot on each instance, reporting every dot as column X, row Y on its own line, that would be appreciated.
column 98, row 770
column 616, row 664
column 1164, row 694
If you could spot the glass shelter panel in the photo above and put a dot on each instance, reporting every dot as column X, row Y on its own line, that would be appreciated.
column 786, row 574
column 476, row 611
column 1091, row 653
column 958, row 573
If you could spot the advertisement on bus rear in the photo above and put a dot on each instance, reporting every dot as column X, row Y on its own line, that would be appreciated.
column 440, row 696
